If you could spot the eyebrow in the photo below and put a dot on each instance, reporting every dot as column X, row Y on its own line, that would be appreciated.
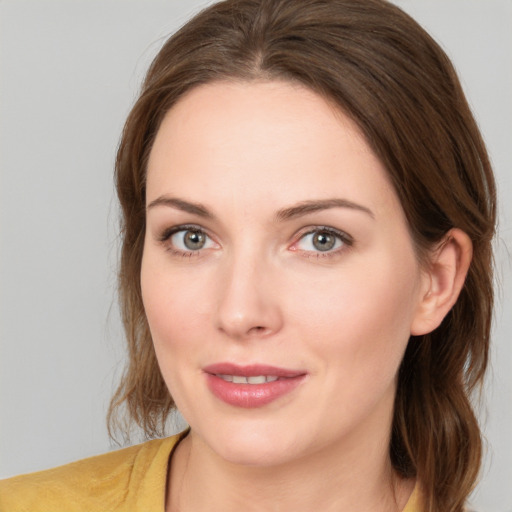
column 298, row 210
column 180, row 204
column 305, row 207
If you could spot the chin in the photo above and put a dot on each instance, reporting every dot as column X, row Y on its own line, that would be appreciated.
column 254, row 454
column 251, row 446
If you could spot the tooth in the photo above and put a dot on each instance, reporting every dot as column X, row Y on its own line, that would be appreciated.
column 271, row 378
column 259, row 379
column 227, row 378
column 237, row 379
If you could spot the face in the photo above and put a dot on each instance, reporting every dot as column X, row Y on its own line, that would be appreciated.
column 279, row 278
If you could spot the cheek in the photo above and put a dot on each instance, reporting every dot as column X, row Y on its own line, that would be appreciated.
column 173, row 303
column 357, row 335
column 361, row 316
column 176, row 312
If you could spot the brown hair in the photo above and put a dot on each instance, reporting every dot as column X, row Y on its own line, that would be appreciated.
column 384, row 71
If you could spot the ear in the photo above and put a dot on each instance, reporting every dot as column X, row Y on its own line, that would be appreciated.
column 442, row 281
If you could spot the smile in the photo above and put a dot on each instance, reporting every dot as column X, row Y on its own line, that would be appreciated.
column 240, row 379
column 251, row 386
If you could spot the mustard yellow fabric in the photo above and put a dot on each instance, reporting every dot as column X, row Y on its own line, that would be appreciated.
column 132, row 479
column 413, row 504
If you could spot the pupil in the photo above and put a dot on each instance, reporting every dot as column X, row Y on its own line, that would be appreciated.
column 323, row 241
column 194, row 240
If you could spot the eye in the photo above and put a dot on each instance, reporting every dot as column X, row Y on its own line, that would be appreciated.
column 186, row 240
column 323, row 240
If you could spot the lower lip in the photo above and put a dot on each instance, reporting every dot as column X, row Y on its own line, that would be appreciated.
column 250, row 396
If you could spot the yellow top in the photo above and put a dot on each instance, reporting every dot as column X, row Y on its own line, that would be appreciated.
column 132, row 479
column 413, row 503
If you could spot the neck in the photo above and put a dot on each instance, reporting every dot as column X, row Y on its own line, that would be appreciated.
column 320, row 486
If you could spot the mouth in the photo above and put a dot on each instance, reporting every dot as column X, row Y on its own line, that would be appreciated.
column 251, row 386
column 240, row 379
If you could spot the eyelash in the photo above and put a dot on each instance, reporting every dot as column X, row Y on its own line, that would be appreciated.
column 165, row 237
column 346, row 240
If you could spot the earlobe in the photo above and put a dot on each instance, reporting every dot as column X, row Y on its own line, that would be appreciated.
column 443, row 281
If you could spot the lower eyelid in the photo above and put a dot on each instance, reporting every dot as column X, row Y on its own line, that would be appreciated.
column 164, row 238
column 179, row 253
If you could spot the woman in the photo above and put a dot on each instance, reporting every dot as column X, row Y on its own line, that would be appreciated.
column 308, row 209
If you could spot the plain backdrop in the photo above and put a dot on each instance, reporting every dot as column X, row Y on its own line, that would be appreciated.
column 69, row 72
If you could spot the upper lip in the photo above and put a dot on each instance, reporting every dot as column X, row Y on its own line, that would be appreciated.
column 252, row 370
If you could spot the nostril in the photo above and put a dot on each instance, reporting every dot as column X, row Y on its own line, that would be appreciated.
column 258, row 329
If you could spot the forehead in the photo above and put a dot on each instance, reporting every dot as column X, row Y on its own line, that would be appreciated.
column 222, row 109
column 262, row 140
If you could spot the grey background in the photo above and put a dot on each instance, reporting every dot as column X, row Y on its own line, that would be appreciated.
column 69, row 72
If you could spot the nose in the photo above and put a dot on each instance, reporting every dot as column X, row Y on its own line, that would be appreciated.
column 248, row 300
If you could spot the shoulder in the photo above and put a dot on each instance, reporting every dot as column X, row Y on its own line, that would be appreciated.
column 104, row 482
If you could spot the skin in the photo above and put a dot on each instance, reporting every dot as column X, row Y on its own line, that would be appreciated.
column 259, row 291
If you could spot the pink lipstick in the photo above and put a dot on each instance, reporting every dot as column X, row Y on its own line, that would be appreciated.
column 251, row 386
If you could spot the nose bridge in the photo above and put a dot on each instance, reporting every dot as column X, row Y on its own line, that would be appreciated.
column 247, row 306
